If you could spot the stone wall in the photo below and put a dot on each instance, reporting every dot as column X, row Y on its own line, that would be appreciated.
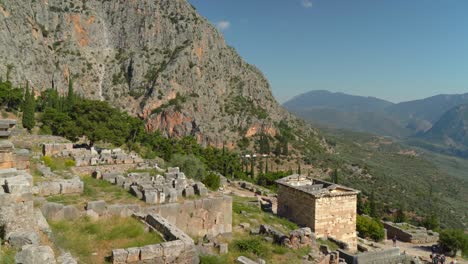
column 56, row 148
column 207, row 216
column 7, row 158
column 179, row 248
column 413, row 234
column 297, row 206
column 335, row 216
column 327, row 216
column 388, row 256
column 88, row 170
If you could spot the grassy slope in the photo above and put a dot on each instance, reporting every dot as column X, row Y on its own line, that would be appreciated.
column 402, row 179
column 84, row 237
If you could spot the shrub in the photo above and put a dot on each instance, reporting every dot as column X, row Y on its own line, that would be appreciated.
column 453, row 240
column 212, row 181
column 252, row 245
column 370, row 228
column 190, row 165
column 212, row 259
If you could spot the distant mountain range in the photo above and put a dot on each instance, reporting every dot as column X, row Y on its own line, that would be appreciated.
column 439, row 122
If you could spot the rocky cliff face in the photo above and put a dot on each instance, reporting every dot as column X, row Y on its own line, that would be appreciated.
column 158, row 59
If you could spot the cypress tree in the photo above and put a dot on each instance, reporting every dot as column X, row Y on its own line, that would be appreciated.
column 70, row 95
column 299, row 168
column 335, row 176
column 373, row 206
column 252, row 166
column 266, row 165
column 29, row 107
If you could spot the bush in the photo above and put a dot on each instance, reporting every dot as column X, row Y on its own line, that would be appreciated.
column 212, row 181
column 212, row 259
column 370, row 228
column 190, row 165
column 252, row 245
column 453, row 240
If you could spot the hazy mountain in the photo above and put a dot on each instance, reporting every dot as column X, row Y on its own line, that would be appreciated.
column 450, row 132
column 338, row 101
column 428, row 109
column 339, row 110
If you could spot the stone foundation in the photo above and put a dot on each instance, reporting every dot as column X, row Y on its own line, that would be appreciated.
column 410, row 234
column 179, row 248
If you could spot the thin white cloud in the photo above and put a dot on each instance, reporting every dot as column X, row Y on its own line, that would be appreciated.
column 223, row 25
column 306, row 3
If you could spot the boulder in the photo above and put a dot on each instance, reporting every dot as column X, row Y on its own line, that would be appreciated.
column 189, row 191
column 97, row 206
column 71, row 213
column 20, row 238
column 66, row 258
column 133, row 255
column 32, row 254
column 92, row 215
column 52, row 211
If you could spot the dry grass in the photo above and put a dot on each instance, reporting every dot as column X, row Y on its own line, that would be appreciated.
column 93, row 241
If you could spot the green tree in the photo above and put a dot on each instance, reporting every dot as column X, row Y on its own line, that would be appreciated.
column 70, row 94
column 190, row 165
column 453, row 240
column 212, row 181
column 400, row 214
column 369, row 228
column 29, row 108
column 335, row 176
column 373, row 210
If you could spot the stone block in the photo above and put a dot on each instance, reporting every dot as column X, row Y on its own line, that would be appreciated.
column 49, row 188
column 75, row 186
column 119, row 256
column 133, row 255
column 97, row 206
column 20, row 238
column 151, row 197
column 66, row 258
column 92, row 215
column 32, row 254
column 223, row 248
column 97, row 175
column 71, row 213
column 135, row 191
column 173, row 196
column 245, row 260
column 52, row 211
column 172, row 250
column 200, row 189
column 189, row 191
column 151, row 252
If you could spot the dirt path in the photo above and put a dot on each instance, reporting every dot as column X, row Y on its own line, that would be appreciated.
column 423, row 251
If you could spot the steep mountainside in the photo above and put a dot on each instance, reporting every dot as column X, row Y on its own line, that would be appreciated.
column 451, row 131
column 428, row 109
column 339, row 110
column 159, row 60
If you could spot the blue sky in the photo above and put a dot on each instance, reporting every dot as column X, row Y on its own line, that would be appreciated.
column 393, row 49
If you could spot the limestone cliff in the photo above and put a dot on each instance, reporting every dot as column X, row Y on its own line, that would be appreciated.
column 158, row 59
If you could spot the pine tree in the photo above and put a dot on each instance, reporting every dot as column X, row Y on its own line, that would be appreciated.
column 29, row 108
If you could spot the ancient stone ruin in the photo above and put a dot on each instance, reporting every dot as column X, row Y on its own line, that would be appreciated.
column 328, row 209
column 20, row 224
column 156, row 189
column 411, row 234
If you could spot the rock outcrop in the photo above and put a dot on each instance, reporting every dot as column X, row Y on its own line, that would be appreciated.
column 159, row 60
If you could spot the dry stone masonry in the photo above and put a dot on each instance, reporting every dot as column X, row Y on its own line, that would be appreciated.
column 179, row 247
column 156, row 189
column 20, row 224
column 328, row 209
